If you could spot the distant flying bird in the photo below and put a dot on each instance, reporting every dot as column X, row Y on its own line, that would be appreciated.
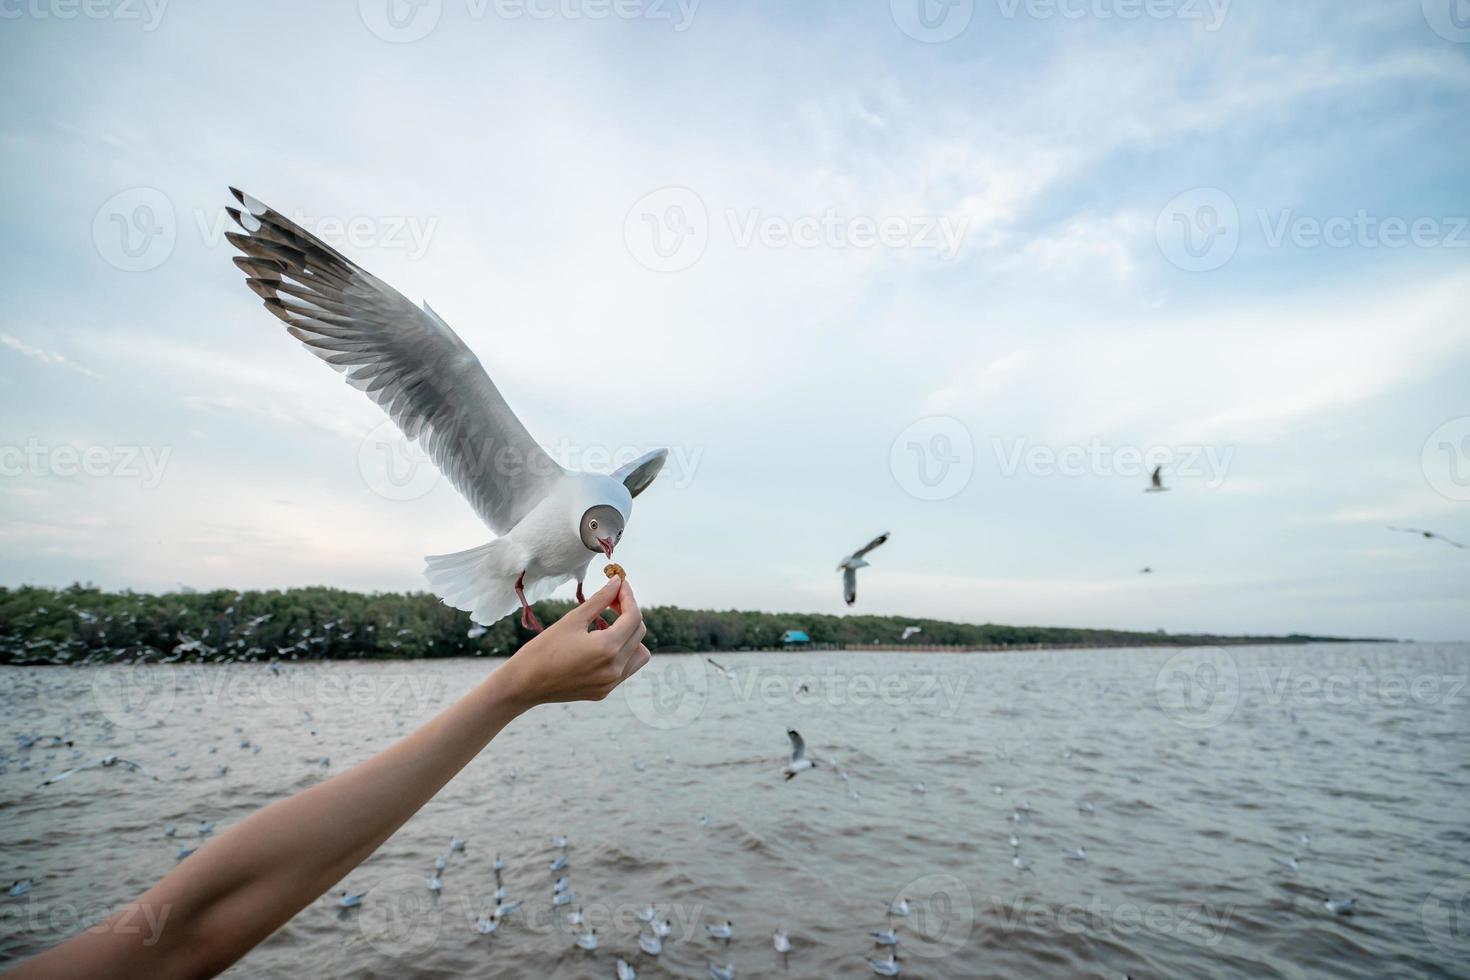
column 106, row 762
column 849, row 566
column 729, row 672
column 799, row 762
column 1426, row 534
column 1156, row 482
column 549, row 520
column 909, row 631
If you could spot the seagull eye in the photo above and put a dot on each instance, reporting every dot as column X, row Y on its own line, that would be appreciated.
column 593, row 524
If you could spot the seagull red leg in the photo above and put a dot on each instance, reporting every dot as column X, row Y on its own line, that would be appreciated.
column 601, row 623
column 528, row 618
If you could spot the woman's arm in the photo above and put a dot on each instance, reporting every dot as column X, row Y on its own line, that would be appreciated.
column 242, row 886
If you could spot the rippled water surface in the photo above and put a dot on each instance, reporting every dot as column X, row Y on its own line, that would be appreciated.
column 1202, row 768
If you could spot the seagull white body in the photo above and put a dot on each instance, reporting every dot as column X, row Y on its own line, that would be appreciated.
column 799, row 762
column 647, row 913
column 485, row 926
column 562, row 898
column 884, row 968
column 456, row 844
column 559, row 863
column 440, row 863
column 561, row 884
column 587, row 940
column 506, row 908
column 626, row 971
column 781, row 941
column 414, row 366
column 726, row 972
column 351, row 901
column 899, row 908
column 662, row 928
column 1076, row 854
column 1289, row 864
column 575, row 918
column 650, row 944
column 434, row 883
column 21, row 887
column 499, row 864
column 849, row 566
column 722, row 931
column 559, row 841
column 885, row 937
column 1340, row 906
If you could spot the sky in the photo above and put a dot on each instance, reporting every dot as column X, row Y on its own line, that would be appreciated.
column 956, row 271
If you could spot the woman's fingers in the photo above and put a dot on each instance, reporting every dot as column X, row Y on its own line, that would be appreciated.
column 599, row 600
column 628, row 629
column 636, row 662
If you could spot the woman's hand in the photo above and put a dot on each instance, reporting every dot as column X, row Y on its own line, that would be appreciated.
column 567, row 663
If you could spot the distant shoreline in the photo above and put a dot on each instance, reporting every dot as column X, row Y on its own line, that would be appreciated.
column 85, row 625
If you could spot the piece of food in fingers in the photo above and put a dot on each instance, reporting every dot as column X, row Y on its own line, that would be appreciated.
column 613, row 568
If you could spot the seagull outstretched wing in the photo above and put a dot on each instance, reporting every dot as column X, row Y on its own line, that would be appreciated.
column 405, row 358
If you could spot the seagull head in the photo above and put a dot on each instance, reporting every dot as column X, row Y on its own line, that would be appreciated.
column 602, row 528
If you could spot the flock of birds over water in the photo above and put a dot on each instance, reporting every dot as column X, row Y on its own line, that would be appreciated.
column 886, row 933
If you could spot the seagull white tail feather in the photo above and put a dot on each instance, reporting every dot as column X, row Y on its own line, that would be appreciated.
column 482, row 581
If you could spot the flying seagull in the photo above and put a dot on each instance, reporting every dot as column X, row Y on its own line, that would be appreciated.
column 799, row 762
column 1426, row 534
column 549, row 521
column 849, row 566
column 1156, row 482
column 106, row 762
column 729, row 672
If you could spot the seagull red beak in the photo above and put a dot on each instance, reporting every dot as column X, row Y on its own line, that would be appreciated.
column 607, row 545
